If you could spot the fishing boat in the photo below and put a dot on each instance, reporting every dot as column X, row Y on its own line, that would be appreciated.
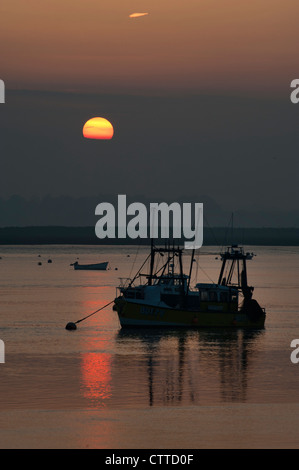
column 165, row 297
column 91, row 267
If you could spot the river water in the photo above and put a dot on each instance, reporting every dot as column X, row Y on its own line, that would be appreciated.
column 104, row 387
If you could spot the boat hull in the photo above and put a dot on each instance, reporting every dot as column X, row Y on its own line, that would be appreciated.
column 134, row 314
column 91, row 267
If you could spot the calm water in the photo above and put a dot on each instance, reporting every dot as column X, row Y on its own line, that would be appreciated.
column 100, row 386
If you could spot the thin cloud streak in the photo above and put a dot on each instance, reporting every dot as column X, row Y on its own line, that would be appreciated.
column 137, row 15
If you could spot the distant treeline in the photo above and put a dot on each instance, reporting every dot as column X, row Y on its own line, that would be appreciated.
column 218, row 236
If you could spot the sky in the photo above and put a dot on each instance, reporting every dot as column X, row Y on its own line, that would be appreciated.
column 198, row 93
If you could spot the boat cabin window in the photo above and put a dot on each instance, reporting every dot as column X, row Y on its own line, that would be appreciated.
column 213, row 296
column 130, row 294
column 223, row 297
column 204, row 296
column 170, row 281
column 139, row 295
column 164, row 281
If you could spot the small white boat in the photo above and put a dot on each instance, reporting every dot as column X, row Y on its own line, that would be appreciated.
column 91, row 267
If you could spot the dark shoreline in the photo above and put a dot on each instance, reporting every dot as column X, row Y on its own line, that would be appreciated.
column 218, row 236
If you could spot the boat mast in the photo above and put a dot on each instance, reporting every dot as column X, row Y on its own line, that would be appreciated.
column 152, row 263
column 222, row 270
column 181, row 271
column 190, row 270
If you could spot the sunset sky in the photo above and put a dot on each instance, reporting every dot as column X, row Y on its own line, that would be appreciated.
column 196, row 45
column 197, row 91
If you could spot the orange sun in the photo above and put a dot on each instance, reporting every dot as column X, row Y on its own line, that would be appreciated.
column 98, row 128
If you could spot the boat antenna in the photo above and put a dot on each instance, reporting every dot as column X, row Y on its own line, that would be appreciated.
column 226, row 235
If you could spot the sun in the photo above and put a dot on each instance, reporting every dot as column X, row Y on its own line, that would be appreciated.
column 98, row 128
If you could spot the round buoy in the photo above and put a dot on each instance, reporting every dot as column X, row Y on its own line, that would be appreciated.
column 71, row 326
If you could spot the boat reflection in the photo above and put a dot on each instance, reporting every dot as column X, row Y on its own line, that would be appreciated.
column 193, row 367
column 155, row 367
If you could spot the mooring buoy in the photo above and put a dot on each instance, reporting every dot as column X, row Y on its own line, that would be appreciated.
column 71, row 326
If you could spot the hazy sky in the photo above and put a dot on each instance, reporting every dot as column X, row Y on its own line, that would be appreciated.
column 197, row 91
